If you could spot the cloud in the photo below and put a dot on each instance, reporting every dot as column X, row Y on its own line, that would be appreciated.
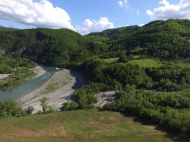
column 141, row 25
column 150, row 13
column 40, row 13
column 170, row 11
column 94, row 26
column 138, row 11
column 122, row 3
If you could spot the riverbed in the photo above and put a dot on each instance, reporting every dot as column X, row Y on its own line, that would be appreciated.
column 58, row 90
column 57, row 86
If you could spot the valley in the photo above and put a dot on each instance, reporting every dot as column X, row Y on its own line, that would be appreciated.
column 143, row 72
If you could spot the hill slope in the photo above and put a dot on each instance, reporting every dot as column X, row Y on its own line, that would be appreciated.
column 47, row 46
column 162, row 39
column 63, row 47
column 81, row 126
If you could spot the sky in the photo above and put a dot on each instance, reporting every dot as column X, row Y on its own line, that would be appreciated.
column 85, row 16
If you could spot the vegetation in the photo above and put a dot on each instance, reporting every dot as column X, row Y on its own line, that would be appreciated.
column 153, row 58
column 6, row 28
column 169, row 110
column 12, row 108
column 19, row 70
column 66, row 48
column 82, row 125
column 58, row 47
column 111, row 60
column 146, row 63
column 161, row 39
column 45, row 107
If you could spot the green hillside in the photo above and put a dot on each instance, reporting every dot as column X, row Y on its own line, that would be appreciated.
column 162, row 39
column 62, row 47
column 47, row 46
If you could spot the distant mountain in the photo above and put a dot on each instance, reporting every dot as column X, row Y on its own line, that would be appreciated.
column 2, row 28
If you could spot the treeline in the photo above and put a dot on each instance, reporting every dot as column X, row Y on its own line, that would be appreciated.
column 169, row 110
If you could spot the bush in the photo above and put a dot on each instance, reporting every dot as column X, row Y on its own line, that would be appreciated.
column 69, row 106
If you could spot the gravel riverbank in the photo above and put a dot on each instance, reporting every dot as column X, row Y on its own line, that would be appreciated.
column 39, row 71
column 58, row 89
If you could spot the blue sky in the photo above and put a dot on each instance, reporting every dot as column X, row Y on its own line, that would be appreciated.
column 86, row 16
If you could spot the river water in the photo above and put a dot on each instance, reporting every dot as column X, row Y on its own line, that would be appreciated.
column 28, row 87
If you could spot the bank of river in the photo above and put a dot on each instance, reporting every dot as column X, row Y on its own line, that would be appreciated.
column 57, row 85
column 25, row 88
column 58, row 90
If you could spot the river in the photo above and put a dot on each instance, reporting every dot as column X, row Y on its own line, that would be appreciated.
column 28, row 87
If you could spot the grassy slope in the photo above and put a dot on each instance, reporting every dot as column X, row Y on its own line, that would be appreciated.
column 81, row 125
column 111, row 60
column 141, row 62
column 146, row 63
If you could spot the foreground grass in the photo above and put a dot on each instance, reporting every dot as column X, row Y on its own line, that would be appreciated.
column 81, row 125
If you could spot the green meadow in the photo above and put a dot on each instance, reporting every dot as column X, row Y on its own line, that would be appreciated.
column 81, row 125
column 140, row 62
column 146, row 62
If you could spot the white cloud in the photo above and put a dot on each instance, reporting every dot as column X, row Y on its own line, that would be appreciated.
column 39, row 13
column 122, row 3
column 141, row 25
column 150, row 13
column 94, row 26
column 138, row 11
column 170, row 11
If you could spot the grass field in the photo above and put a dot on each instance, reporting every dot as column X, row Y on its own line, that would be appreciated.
column 81, row 125
column 178, row 63
column 111, row 60
column 146, row 63
column 142, row 62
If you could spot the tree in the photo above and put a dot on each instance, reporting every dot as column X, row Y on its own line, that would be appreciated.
column 122, row 58
column 45, row 107
column 44, row 104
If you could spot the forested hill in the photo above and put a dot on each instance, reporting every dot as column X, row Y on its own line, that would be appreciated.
column 162, row 39
column 2, row 28
column 63, row 47
column 47, row 46
column 115, row 32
